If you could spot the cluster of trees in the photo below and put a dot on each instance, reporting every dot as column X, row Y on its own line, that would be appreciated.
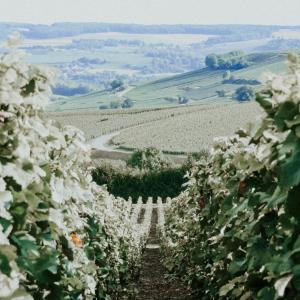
column 148, row 174
column 125, row 183
column 85, row 61
column 117, row 85
column 228, row 78
column 234, row 60
column 244, row 93
column 169, row 58
column 70, row 29
column 149, row 159
column 87, row 44
column 65, row 90
column 101, row 80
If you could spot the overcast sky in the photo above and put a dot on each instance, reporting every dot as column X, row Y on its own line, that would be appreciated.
column 153, row 11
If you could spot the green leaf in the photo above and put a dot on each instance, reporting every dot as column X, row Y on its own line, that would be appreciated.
column 4, row 264
column 297, row 131
column 293, row 122
column 279, row 196
column 237, row 266
column 287, row 111
column 225, row 289
column 29, row 88
column 293, row 202
column 280, row 264
column 290, row 170
column 296, row 277
column 265, row 102
column 266, row 293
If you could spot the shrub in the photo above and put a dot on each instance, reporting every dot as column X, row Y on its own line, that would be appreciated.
column 233, row 80
column 117, row 85
column 127, row 103
column 221, row 93
column 164, row 183
column 230, row 61
column 64, row 90
column 148, row 159
column 244, row 93
column 148, row 174
column 103, row 106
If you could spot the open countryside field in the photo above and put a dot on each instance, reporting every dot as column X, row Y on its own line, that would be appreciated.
column 287, row 34
column 182, row 39
column 199, row 86
column 203, row 84
column 177, row 129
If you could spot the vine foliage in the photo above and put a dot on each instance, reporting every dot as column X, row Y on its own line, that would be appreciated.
column 61, row 235
column 234, row 233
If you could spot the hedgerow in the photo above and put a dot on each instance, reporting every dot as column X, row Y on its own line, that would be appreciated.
column 128, row 182
column 234, row 233
column 61, row 235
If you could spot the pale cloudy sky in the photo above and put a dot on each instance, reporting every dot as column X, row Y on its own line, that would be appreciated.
column 153, row 11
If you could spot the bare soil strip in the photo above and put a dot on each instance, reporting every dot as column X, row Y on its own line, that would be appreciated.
column 153, row 284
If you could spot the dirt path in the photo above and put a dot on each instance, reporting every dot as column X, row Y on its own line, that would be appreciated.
column 152, row 283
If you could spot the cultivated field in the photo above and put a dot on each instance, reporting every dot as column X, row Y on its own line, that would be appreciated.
column 176, row 129
column 200, row 86
column 190, row 132
column 287, row 34
column 178, row 39
column 96, row 123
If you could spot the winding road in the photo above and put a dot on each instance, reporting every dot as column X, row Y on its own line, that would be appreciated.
column 103, row 142
column 103, row 148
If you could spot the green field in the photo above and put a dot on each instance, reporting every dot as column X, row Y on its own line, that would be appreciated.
column 199, row 86
column 202, row 85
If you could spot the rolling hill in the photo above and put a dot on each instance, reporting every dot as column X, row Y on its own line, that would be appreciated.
column 201, row 86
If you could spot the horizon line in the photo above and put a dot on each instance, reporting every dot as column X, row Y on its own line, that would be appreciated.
column 152, row 24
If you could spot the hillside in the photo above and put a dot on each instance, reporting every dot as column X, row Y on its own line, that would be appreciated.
column 202, row 85
column 199, row 86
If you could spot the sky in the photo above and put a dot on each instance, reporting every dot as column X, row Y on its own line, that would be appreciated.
column 281, row 12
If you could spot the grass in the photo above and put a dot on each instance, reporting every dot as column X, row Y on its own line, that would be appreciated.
column 203, row 84
column 199, row 86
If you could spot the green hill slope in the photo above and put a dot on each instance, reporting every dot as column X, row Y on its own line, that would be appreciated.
column 202, row 85
column 199, row 86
